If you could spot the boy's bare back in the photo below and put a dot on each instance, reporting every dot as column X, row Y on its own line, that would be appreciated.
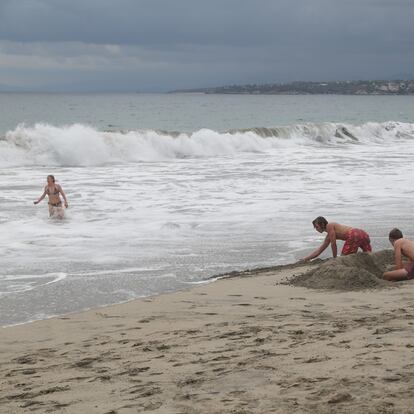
column 406, row 246
column 340, row 230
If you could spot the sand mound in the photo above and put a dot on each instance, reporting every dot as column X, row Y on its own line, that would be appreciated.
column 354, row 272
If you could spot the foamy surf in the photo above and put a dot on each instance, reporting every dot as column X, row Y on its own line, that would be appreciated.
column 159, row 203
column 82, row 145
column 23, row 283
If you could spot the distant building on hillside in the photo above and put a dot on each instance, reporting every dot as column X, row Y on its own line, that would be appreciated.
column 372, row 87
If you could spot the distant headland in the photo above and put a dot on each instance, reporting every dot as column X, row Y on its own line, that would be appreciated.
column 371, row 87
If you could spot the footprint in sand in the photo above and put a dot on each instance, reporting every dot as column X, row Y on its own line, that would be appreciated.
column 30, row 371
column 340, row 398
column 26, row 359
column 136, row 371
column 317, row 359
column 191, row 381
column 86, row 362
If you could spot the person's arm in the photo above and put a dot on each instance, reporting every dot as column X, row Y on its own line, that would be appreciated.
column 318, row 251
column 332, row 239
column 399, row 273
column 63, row 195
column 398, row 256
column 40, row 198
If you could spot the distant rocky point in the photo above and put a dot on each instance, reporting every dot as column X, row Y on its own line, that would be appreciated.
column 373, row 87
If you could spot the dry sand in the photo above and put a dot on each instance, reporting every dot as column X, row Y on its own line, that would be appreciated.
column 242, row 345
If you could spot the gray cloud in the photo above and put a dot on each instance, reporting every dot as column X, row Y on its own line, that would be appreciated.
column 163, row 44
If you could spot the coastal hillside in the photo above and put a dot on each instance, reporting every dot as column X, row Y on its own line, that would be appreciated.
column 372, row 87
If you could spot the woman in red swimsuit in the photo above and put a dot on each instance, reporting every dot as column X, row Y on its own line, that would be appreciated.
column 53, row 191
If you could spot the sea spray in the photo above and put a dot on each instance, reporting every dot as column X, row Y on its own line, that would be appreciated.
column 82, row 145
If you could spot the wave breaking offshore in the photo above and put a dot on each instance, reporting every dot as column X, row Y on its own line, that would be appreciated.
column 83, row 145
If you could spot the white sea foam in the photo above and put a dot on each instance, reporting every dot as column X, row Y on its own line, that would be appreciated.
column 206, row 203
column 81, row 145
column 27, row 282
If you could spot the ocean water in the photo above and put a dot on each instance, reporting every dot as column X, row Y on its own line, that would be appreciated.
column 166, row 191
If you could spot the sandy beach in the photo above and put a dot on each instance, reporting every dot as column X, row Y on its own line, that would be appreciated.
column 245, row 344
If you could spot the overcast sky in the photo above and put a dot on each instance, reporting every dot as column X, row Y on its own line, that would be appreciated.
column 158, row 45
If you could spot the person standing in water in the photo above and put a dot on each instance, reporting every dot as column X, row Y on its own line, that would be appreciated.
column 53, row 191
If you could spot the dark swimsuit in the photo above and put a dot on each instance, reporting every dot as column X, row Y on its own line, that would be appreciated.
column 410, row 274
column 55, row 193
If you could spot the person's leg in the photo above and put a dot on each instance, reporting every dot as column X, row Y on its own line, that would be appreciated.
column 409, row 267
column 366, row 248
column 366, row 243
column 56, row 211
column 60, row 213
column 396, row 275
column 350, row 246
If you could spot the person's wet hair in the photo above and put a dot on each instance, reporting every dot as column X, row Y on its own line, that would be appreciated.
column 395, row 234
column 52, row 177
column 320, row 221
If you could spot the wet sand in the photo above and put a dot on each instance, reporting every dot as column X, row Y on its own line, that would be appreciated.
column 245, row 344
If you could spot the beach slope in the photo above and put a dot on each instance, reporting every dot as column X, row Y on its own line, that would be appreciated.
column 246, row 344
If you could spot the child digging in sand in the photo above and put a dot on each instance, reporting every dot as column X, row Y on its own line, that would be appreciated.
column 403, row 270
column 354, row 238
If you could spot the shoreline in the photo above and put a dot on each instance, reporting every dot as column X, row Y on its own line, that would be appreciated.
column 240, row 345
column 211, row 279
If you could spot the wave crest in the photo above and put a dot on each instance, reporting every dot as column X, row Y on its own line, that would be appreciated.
column 81, row 145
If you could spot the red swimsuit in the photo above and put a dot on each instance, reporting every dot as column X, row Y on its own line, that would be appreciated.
column 354, row 239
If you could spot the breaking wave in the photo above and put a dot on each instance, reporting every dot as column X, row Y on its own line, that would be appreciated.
column 81, row 145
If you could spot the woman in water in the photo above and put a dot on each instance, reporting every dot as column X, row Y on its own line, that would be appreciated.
column 52, row 190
